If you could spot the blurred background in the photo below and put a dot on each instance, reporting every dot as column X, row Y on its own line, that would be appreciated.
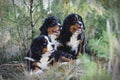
column 20, row 21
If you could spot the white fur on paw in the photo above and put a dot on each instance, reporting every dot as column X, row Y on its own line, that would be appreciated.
column 63, row 63
column 39, row 72
column 36, row 72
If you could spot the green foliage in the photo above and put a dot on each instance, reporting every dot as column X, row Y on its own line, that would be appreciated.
column 19, row 58
column 100, row 46
column 15, row 19
column 93, row 71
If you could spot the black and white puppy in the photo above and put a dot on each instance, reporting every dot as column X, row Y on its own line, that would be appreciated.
column 39, row 56
column 72, row 35
column 52, row 28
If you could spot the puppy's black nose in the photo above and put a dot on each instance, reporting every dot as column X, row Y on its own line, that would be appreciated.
column 53, row 46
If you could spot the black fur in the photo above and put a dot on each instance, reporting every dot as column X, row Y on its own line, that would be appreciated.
column 66, row 34
column 36, row 51
column 49, row 23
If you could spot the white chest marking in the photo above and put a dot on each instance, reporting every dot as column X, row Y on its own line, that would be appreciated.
column 54, row 41
column 74, row 42
column 44, row 61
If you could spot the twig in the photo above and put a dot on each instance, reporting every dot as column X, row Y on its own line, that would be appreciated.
column 26, row 4
column 31, row 18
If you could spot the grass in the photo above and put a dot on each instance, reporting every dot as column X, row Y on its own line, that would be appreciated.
column 83, row 70
column 94, row 72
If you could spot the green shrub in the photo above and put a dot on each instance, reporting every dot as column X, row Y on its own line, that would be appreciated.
column 100, row 46
column 92, row 70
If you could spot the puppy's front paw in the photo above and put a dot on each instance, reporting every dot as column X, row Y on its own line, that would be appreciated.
column 36, row 72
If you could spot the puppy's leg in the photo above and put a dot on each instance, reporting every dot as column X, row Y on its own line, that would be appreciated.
column 36, row 71
column 55, row 63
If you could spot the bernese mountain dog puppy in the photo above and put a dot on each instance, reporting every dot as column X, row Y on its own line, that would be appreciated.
column 72, row 35
column 39, row 57
column 52, row 28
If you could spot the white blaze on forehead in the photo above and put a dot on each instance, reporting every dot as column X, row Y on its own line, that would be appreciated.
column 76, row 16
column 59, row 24
column 80, row 23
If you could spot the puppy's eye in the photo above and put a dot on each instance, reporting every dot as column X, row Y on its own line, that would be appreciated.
column 44, row 44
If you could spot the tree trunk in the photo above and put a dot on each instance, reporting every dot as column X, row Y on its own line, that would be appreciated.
column 110, row 46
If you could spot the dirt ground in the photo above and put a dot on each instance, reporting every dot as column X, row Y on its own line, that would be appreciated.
column 11, row 71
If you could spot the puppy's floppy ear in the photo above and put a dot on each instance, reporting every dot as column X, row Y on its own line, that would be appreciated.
column 36, row 47
column 43, row 28
column 66, row 24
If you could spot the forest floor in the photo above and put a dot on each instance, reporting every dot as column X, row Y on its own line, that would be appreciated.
column 12, row 71
column 17, row 71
